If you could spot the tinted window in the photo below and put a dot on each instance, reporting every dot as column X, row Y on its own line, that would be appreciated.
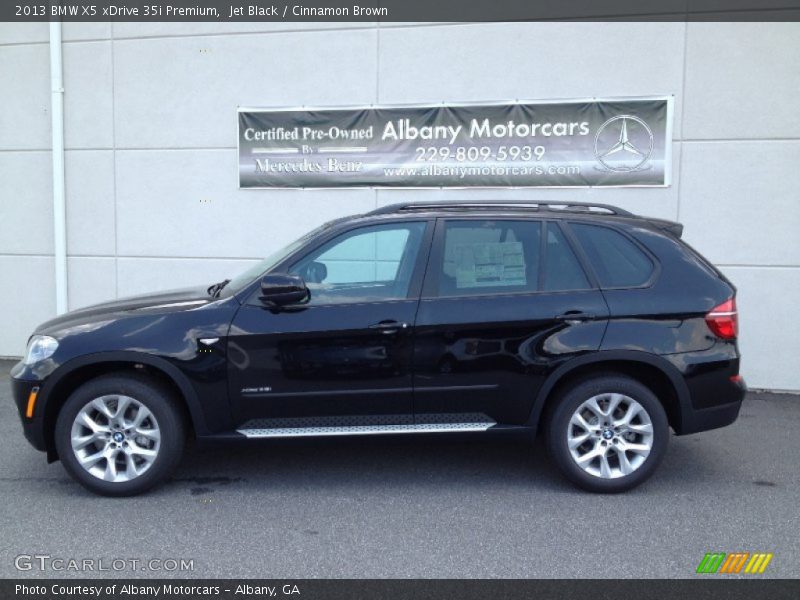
column 617, row 261
column 371, row 263
column 490, row 256
column 562, row 271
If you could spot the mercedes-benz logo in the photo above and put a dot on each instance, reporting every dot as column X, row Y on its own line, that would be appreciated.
column 623, row 144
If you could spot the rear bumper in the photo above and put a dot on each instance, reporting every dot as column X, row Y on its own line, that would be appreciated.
column 710, row 418
column 713, row 417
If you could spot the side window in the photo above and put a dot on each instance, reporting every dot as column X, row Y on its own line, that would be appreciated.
column 617, row 261
column 562, row 271
column 482, row 257
column 363, row 265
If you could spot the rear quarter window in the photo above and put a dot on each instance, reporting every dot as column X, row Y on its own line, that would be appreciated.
column 616, row 260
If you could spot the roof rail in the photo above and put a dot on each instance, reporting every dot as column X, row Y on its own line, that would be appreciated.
column 522, row 204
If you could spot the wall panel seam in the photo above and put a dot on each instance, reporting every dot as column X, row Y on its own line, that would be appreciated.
column 114, row 162
column 765, row 140
column 679, row 191
column 45, row 42
column 145, row 38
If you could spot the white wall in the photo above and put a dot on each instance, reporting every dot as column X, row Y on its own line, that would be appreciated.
column 151, row 136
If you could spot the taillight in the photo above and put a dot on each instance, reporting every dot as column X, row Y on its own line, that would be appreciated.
column 723, row 320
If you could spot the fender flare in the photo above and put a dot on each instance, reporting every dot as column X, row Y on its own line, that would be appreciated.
column 603, row 356
column 122, row 356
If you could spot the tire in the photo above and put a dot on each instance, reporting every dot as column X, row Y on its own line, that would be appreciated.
column 614, row 460
column 89, row 425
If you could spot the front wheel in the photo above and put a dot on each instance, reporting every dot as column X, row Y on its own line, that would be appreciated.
column 608, row 433
column 119, row 435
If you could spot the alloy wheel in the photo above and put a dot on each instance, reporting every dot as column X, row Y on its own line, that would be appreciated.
column 115, row 438
column 610, row 435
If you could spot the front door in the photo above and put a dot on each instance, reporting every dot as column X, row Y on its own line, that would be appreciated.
column 348, row 350
column 504, row 303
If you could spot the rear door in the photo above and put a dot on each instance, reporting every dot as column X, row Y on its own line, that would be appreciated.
column 505, row 301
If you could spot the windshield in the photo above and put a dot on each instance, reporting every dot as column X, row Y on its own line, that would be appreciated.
column 243, row 279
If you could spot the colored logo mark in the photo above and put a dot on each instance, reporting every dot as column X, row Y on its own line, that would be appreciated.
column 735, row 562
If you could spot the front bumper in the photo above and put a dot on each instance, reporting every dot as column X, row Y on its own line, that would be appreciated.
column 22, row 384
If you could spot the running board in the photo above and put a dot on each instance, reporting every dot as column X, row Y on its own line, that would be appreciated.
column 331, row 426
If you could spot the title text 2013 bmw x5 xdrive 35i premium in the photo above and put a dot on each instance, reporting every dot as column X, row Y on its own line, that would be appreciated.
column 596, row 327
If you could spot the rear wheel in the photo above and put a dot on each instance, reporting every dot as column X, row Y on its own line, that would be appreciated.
column 608, row 433
column 120, row 435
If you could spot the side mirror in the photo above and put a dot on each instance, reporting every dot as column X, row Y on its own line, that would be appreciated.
column 280, row 289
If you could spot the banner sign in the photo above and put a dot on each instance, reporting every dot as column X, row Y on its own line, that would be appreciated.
column 554, row 144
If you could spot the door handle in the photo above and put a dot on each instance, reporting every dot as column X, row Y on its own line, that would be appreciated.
column 389, row 326
column 574, row 316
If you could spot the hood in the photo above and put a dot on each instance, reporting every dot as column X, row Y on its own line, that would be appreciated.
column 170, row 301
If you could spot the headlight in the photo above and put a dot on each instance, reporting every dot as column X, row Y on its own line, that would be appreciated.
column 39, row 348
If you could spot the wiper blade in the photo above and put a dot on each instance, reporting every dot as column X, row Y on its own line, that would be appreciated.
column 215, row 289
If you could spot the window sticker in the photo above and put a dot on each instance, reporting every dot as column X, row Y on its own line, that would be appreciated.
column 494, row 264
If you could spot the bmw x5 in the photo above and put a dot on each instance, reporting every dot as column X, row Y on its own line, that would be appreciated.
column 599, row 329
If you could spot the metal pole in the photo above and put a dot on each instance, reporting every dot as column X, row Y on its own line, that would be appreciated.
column 59, row 185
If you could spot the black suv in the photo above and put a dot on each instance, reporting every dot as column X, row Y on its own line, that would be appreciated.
column 597, row 327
